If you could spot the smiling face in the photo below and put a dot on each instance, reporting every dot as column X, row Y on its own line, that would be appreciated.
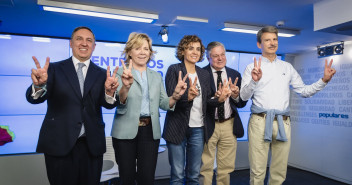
column 140, row 55
column 82, row 44
column 192, row 52
column 269, row 44
column 217, row 57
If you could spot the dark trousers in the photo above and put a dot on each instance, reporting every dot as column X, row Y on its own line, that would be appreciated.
column 142, row 151
column 79, row 167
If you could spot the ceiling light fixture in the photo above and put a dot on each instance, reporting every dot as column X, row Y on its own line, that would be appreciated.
column 193, row 19
column 335, row 48
column 241, row 28
column 5, row 36
column 164, row 33
column 94, row 11
column 40, row 39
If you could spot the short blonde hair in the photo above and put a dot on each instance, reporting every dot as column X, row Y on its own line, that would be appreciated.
column 134, row 41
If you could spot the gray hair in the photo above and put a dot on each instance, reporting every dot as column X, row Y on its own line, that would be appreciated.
column 212, row 45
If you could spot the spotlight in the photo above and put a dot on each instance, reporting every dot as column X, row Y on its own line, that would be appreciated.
column 164, row 33
column 339, row 49
column 321, row 52
column 330, row 49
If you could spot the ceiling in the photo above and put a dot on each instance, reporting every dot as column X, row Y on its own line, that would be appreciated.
column 26, row 17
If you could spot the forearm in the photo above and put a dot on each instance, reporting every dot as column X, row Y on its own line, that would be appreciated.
column 172, row 101
column 247, row 90
column 35, row 97
column 123, row 93
column 310, row 90
column 239, row 103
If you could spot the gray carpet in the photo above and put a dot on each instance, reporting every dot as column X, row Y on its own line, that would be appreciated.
column 241, row 177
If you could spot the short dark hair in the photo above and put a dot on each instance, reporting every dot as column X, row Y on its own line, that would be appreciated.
column 183, row 45
column 213, row 45
column 82, row 27
column 266, row 29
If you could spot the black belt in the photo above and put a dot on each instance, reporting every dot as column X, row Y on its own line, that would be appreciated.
column 223, row 120
column 144, row 121
column 275, row 119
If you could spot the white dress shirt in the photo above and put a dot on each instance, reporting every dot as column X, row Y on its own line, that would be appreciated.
column 272, row 91
column 84, row 68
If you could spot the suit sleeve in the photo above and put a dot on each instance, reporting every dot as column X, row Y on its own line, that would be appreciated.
column 120, row 108
column 49, row 85
column 212, row 101
column 103, row 101
column 164, row 101
column 240, row 103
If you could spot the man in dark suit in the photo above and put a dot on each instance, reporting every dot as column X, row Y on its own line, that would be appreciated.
column 228, row 126
column 72, row 135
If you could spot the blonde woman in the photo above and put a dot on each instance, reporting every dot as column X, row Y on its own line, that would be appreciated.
column 136, row 128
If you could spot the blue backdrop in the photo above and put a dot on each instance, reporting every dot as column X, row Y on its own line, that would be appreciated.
column 25, row 119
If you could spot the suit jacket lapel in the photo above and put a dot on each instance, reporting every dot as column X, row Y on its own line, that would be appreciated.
column 184, row 72
column 135, row 77
column 212, row 83
column 229, row 74
column 150, row 82
column 202, row 81
column 70, row 71
column 91, row 77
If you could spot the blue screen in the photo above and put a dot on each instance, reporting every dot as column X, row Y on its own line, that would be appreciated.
column 25, row 119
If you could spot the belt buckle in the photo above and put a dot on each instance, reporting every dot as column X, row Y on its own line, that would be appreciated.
column 142, row 123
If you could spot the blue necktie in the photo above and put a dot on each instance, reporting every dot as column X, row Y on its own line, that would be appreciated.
column 81, row 85
column 80, row 76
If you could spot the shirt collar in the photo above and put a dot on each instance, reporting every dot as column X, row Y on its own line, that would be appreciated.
column 76, row 61
column 136, row 71
column 264, row 59
column 214, row 70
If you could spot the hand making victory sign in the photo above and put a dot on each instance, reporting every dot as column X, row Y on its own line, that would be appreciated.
column 111, row 82
column 223, row 91
column 235, row 90
column 181, row 87
column 127, row 77
column 127, row 80
column 257, row 72
column 328, row 71
column 40, row 75
column 192, row 91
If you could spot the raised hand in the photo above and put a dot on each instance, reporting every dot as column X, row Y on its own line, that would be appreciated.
column 257, row 72
column 225, row 91
column 192, row 91
column 181, row 87
column 127, row 77
column 235, row 90
column 218, row 92
column 40, row 75
column 111, row 82
column 328, row 71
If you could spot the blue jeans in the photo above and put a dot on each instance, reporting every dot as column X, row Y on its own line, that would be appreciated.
column 188, row 152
